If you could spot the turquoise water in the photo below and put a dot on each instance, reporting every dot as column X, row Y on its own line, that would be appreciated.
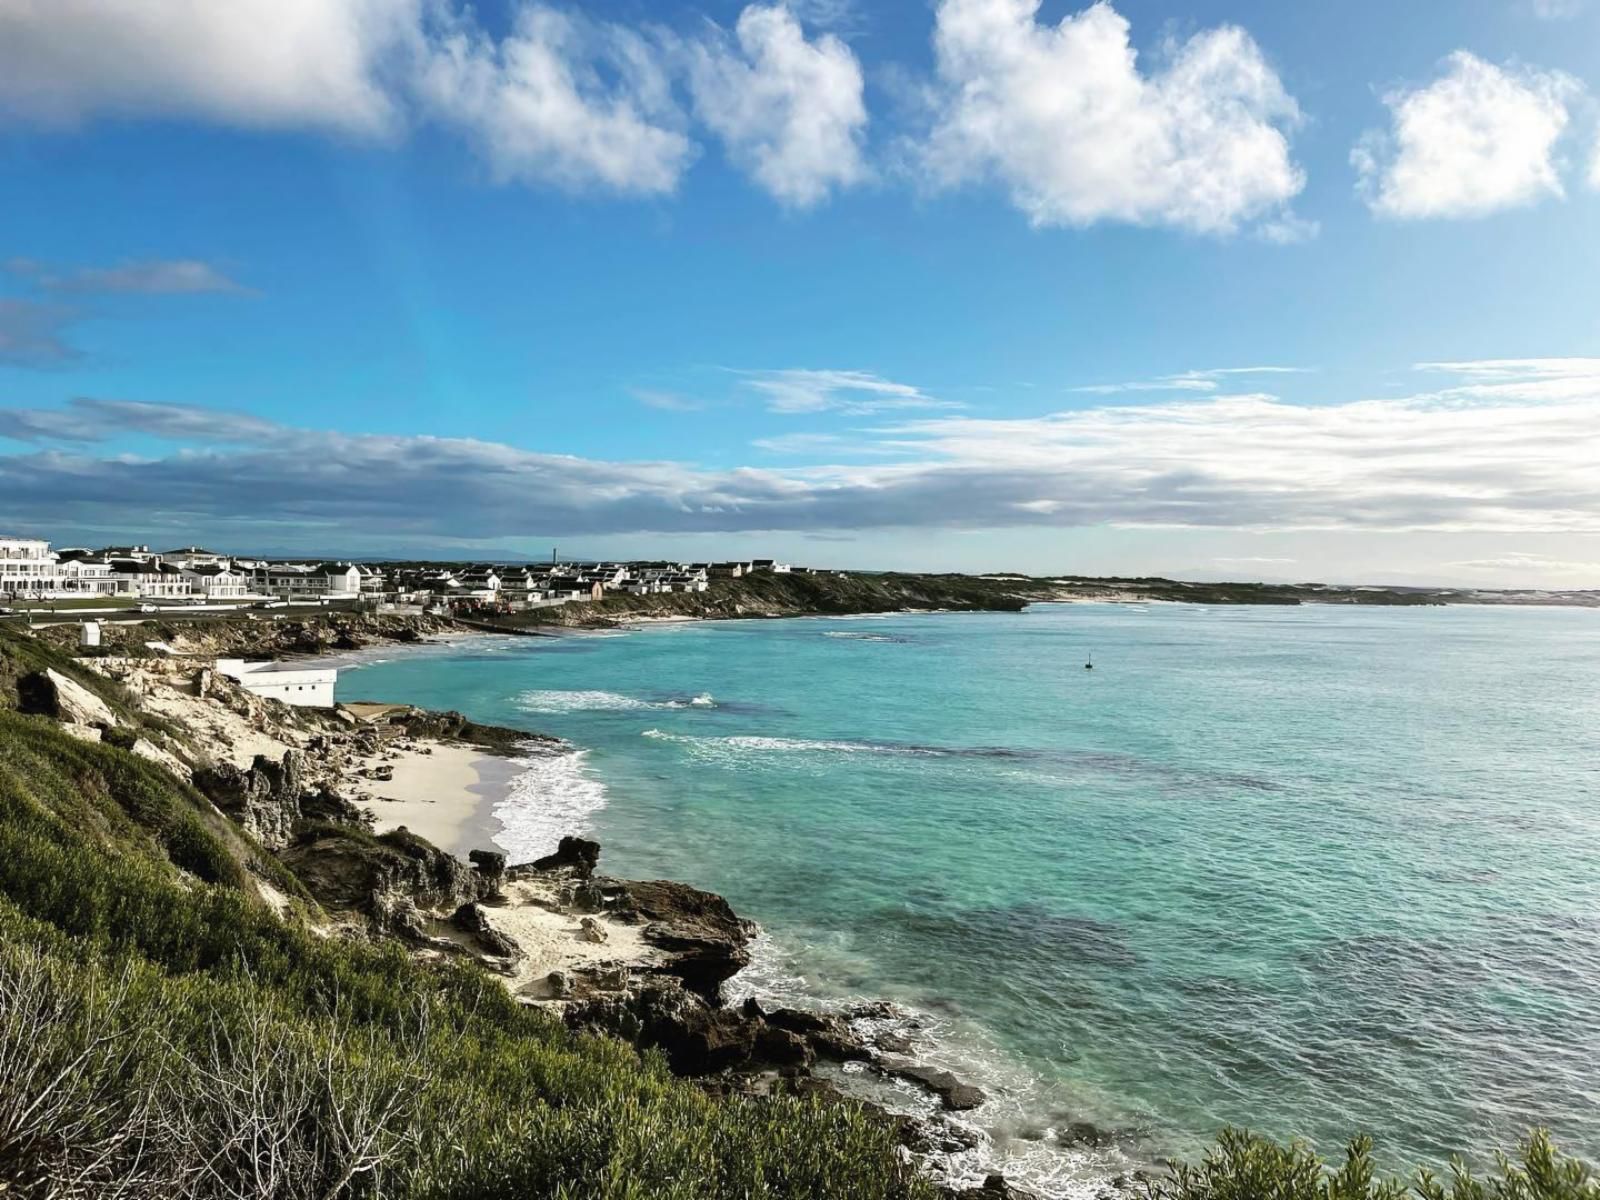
column 1313, row 870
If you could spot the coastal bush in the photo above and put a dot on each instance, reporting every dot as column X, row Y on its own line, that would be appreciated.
column 164, row 1034
column 1246, row 1166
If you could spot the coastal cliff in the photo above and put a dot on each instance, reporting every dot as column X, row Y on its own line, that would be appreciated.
column 149, row 823
column 221, row 975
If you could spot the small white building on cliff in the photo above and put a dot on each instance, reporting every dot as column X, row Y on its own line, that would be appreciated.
column 304, row 687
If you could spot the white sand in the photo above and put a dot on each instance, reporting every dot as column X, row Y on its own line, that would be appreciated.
column 554, row 941
column 442, row 791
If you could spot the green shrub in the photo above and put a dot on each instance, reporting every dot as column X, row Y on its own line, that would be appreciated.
column 1246, row 1166
column 164, row 1034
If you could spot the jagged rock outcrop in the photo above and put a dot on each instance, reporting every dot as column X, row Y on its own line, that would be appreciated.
column 575, row 855
column 51, row 694
column 491, row 866
column 828, row 1036
column 696, row 1037
column 265, row 798
column 708, row 941
column 470, row 918
column 994, row 1187
column 348, row 869
column 955, row 1095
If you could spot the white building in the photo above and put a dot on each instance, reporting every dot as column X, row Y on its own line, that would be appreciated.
column 304, row 687
column 27, row 568
column 216, row 581
column 194, row 556
column 152, row 578
column 294, row 581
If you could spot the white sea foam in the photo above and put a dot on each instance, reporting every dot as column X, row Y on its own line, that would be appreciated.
column 747, row 745
column 555, row 701
column 578, row 701
column 1018, row 1124
column 554, row 795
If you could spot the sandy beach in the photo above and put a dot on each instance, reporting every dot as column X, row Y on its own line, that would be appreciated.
column 444, row 792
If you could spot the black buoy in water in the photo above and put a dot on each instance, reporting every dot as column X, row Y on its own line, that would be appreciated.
column 1089, row 666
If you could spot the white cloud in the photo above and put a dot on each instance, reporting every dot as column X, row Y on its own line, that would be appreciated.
column 561, row 100
column 789, row 110
column 1556, row 10
column 1500, row 464
column 1523, row 380
column 806, row 391
column 1065, row 119
column 159, row 277
column 1523, row 565
column 667, row 401
column 1209, row 380
column 266, row 63
column 1477, row 140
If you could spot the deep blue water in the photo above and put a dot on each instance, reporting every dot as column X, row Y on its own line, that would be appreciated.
column 1313, row 870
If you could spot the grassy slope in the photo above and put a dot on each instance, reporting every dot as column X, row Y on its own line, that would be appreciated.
column 171, row 1026
column 124, row 914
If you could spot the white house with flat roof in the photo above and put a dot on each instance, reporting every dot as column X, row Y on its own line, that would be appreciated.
column 304, row 687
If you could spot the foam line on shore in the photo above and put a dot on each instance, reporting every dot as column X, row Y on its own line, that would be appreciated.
column 554, row 794
column 1023, row 1129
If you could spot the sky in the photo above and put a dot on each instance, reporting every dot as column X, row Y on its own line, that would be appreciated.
column 1248, row 289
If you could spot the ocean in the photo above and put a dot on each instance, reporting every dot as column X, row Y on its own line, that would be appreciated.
column 1311, row 870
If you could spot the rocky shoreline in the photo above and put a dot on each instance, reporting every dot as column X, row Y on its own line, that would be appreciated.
column 644, row 961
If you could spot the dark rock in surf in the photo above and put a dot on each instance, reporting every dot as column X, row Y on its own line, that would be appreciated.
column 994, row 1187
column 953, row 1094
column 708, row 941
column 662, row 1014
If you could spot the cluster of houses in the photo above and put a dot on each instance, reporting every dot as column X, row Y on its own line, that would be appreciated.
column 30, row 569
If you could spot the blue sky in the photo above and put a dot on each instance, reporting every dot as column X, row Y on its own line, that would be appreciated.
column 966, row 284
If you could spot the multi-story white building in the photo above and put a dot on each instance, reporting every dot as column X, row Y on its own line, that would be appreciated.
column 28, row 568
column 215, row 581
column 155, row 579
column 293, row 581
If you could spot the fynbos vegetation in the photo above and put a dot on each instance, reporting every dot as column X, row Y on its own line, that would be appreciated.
column 179, row 1021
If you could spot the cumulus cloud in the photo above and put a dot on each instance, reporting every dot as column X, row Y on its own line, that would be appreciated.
column 1063, row 116
column 561, row 100
column 261, row 63
column 151, row 277
column 790, row 110
column 857, row 392
column 1498, row 464
column 1477, row 140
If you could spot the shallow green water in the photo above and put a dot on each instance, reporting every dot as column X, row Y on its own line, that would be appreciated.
column 1312, row 870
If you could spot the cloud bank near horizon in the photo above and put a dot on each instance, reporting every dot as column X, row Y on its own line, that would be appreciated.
column 1503, row 446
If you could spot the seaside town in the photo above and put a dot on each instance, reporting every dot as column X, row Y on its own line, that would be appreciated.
column 194, row 577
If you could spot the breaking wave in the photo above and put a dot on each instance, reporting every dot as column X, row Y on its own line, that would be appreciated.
column 554, row 795
column 1027, row 1128
column 761, row 744
column 556, row 701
